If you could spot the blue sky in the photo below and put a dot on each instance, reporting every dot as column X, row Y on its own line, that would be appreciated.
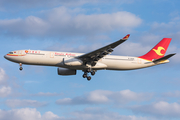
column 39, row 93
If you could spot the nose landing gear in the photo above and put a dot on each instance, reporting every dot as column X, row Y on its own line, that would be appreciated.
column 21, row 68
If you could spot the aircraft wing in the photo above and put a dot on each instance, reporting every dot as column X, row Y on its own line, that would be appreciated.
column 92, row 57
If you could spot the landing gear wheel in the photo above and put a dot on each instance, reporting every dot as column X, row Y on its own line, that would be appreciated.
column 89, row 78
column 20, row 68
column 84, row 75
column 93, row 73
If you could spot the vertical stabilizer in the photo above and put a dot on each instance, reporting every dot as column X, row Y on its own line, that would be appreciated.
column 158, row 51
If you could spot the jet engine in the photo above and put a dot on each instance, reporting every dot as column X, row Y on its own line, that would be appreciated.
column 66, row 71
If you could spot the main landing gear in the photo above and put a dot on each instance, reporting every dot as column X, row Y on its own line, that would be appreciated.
column 21, row 68
column 85, row 75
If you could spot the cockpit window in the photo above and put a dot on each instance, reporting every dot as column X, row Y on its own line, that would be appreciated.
column 10, row 52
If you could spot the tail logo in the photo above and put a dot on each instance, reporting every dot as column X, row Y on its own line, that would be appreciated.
column 158, row 51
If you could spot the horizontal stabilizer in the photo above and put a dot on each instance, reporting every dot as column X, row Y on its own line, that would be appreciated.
column 163, row 58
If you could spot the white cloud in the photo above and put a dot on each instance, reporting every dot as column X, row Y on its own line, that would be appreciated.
column 175, row 94
column 63, row 21
column 99, row 114
column 64, row 101
column 126, row 96
column 5, row 91
column 150, row 39
column 3, row 76
column 68, row 21
column 30, row 26
column 170, row 29
column 94, row 97
column 47, row 94
column 132, row 49
column 162, row 108
column 104, row 97
column 51, row 116
column 86, row 114
column 24, row 103
column 27, row 114
column 107, row 21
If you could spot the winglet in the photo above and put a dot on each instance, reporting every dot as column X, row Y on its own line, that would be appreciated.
column 126, row 37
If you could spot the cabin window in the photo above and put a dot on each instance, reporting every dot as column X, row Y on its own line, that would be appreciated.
column 10, row 52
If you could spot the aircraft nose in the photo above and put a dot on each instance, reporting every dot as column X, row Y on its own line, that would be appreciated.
column 5, row 56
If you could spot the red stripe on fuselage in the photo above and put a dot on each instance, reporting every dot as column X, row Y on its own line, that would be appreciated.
column 15, row 55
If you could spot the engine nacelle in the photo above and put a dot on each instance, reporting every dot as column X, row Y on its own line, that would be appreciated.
column 72, row 62
column 66, row 71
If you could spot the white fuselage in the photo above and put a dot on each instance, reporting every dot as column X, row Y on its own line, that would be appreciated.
column 52, row 58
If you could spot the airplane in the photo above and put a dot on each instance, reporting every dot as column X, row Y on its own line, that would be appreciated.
column 68, row 62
